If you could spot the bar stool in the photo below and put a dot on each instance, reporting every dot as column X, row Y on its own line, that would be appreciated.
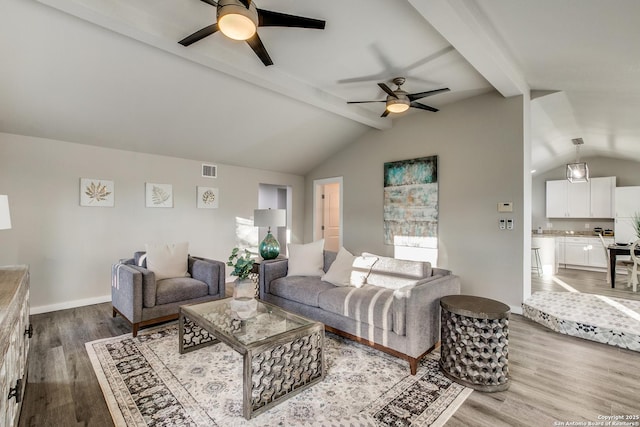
column 536, row 256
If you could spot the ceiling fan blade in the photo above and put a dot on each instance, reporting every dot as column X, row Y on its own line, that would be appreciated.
column 268, row 18
column 211, row 2
column 259, row 49
column 362, row 102
column 385, row 114
column 385, row 88
column 423, row 107
column 414, row 96
column 199, row 35
column 245, row 3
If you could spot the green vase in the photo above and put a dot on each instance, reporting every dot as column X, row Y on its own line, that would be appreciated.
column 269, row 248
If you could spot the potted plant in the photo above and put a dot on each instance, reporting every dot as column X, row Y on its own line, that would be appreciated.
column 636, row 224
column 242, row 264
column 244, row 287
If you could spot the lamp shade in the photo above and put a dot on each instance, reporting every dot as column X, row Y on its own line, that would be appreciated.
column 5, row 217
column 269, row 217
column 577, row 172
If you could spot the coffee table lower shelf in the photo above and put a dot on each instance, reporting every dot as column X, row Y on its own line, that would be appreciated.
column 274, row 369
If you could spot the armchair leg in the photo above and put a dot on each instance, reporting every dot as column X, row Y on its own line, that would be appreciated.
column 135, row 329
column 114, row 311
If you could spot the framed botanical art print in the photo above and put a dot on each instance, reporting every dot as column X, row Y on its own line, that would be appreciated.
column 96, row 192
column 158, row 195
column 207, row 198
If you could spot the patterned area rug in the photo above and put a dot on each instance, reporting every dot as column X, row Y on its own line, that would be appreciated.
column 612, row 321
column 146, row 382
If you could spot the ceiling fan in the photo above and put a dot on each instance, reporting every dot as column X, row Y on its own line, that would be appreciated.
column 239, row 20
column 399, row 100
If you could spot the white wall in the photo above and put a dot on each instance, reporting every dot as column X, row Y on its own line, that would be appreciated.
column 481, row 160
column 625, row 171
column 70, row 248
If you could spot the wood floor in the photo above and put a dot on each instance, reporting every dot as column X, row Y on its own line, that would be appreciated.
column 553, row 377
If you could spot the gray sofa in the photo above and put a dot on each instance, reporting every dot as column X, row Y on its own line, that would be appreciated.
column 402, row 320
column 141, row 299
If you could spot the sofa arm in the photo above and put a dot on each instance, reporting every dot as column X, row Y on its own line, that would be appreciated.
column 423, row 311
column 126, row 291
column 270, row 271
column 210, row 272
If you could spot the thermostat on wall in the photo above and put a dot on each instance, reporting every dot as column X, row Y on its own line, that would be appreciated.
column 505, row 207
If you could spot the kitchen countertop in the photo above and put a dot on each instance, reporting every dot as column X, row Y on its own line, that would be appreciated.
column 565, row 233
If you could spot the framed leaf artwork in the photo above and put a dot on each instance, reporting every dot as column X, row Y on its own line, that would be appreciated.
column 96, row 192
column 158, row 195
column 207, row 198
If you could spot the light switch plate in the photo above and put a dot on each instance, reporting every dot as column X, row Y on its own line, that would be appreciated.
column 505, row 207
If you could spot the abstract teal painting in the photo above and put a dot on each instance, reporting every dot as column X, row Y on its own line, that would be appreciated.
column 411, row 202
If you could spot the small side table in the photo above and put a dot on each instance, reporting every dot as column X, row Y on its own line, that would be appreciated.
column 474, row 340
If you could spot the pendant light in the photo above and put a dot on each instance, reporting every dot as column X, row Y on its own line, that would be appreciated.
column 578, row 171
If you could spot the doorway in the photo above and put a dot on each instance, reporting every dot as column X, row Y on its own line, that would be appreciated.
column 327, row 212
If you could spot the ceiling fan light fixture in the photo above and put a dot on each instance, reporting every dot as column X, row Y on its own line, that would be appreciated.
column 397, row 105
column 236, row 21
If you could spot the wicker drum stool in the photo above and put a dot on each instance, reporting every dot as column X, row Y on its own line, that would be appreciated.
column 474, row 342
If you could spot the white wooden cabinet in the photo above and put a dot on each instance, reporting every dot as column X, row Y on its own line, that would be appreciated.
column 593, row 199
column 603, row 191
column 580, row 252
column 15, row 331
column 557, row 199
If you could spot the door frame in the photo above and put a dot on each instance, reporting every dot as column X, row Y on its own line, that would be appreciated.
column 317, row 206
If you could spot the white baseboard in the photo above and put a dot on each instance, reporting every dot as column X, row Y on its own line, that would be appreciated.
column 516, row 309
column 69, row 304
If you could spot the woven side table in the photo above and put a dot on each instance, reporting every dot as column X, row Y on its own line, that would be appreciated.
column 474, row 342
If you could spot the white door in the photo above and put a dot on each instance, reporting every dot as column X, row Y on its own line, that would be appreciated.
column 331, row 217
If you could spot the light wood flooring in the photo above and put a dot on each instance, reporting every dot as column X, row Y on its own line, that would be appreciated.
column 554, row 377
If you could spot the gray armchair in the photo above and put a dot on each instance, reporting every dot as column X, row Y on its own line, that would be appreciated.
column 141, row 299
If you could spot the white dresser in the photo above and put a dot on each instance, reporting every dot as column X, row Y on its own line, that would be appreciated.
column 15, row 331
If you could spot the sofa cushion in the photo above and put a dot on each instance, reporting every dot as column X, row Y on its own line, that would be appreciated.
column 369, row 304
column 179, row 289
column 394, row 273
column 306, row 259
column 302, row 289
column 168, row 260
column 339, row 272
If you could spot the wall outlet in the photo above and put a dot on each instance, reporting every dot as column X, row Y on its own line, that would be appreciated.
column 549, row 225
column 503, row 224
column 586, row 226
column 510, row 224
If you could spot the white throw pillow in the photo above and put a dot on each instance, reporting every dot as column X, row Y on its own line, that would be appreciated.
column 339, row 272
column 168, row 260
column 306, row 259
column 361, row 269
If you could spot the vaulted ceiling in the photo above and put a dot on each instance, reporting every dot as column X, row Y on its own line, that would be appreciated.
column 111, row 73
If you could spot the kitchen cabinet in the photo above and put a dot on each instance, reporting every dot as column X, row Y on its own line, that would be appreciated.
column 593, row 199
column 556, row 199
column 584, row 252
column 603, row 191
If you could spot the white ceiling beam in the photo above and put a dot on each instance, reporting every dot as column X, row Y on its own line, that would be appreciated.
column 268, row 78
column 468, row 30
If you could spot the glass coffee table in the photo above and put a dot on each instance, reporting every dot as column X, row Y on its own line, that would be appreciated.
column 283, row 353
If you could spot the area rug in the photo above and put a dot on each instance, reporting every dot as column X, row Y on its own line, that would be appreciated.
column 613, row 321
column 146, row 382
